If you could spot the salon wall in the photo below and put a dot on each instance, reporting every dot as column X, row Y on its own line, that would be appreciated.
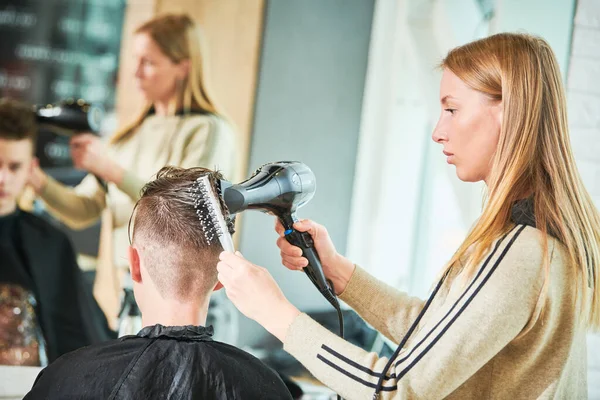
column 308, row 105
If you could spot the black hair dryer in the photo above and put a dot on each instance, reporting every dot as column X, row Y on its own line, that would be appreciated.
column 280, row 188
column 70, row 117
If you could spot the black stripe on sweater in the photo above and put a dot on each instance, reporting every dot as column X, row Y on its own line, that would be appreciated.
column 434, row 341
column 393, row 376
column 354, row 377
column 488, row 276
column 479, row 273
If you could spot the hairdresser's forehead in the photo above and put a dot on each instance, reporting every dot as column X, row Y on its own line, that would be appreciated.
column 452, row 88
column 145, row 46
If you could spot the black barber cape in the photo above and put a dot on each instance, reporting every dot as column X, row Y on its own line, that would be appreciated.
column 40, row 258
column 177, row 362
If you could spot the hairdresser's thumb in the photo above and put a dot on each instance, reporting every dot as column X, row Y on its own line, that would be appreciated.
column 304, row 225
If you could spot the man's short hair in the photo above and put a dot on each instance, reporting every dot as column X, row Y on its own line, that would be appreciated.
column 167, row 231
column 17, row 121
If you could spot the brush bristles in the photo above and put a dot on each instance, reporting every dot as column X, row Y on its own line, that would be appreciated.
column 209, row 213
column 205, row 211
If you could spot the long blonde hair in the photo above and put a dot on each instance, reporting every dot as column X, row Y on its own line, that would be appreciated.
column 179, row 38
column 533, row 158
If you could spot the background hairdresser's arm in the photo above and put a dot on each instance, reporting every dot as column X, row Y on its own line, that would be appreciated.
column 77, row 207
column 91, row 154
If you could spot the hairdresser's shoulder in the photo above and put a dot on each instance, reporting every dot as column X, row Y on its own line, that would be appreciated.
column 206, row 121
column 530, row 240
column 522, row 251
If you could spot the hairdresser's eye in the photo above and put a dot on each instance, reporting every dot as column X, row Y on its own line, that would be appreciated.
column 450, row 110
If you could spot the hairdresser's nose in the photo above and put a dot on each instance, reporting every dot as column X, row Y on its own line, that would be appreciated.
column 439, row 134
column 138, row 70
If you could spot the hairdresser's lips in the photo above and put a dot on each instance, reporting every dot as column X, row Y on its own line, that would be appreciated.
column 3, row 194
column 449, row 157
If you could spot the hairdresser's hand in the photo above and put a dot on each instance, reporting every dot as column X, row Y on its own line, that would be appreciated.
column 37, row 178
column 90, row 154
column 336, row 267
column 255, row 293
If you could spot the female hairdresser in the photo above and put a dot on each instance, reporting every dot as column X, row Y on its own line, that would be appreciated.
column 509, row 314
column 180, row 125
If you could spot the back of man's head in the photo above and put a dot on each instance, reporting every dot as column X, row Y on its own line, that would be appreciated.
column 170, row 239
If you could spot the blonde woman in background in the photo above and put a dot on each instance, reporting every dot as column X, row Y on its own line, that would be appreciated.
column 509, row 315
column 180, row 126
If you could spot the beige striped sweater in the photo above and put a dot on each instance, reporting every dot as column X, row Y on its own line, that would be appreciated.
column 473, row 342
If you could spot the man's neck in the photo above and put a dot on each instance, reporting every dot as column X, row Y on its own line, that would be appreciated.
column 174, row 313
column 7, row 209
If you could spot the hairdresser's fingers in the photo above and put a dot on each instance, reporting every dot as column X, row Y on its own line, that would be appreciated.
column 295, row 263
column 223, row 273
column 82, row 140
column 223, row 263
column 287, row 248
column 77, row 156
column 290, row 267
column 239, row 265
column 240, row 255
column 307, row 225
column 85, row 137
column 279, row 227
column 224, row 281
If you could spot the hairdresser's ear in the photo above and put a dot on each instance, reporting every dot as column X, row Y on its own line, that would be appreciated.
column 218, row 286
column 184, row 69
column 499, row 113
column 134, row 264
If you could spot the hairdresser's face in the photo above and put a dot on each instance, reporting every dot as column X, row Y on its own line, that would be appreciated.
column 15, row 166
column 468, row 128
column 156, row 75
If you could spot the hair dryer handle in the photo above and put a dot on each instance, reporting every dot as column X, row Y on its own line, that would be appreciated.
column 314, row 270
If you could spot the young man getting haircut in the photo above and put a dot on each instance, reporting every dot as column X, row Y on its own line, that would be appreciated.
column 41, row 316
column 173, row 259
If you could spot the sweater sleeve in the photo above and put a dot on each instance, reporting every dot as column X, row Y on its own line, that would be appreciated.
column 385, row 308
column 132, row 185
column 77, row 207
column 456, row 340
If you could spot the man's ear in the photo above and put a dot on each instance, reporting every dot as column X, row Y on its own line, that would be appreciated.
column 134, row 264
column 218, row 286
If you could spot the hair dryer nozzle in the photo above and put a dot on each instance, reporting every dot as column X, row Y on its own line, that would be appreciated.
column 279, row 188
column 71, row 116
